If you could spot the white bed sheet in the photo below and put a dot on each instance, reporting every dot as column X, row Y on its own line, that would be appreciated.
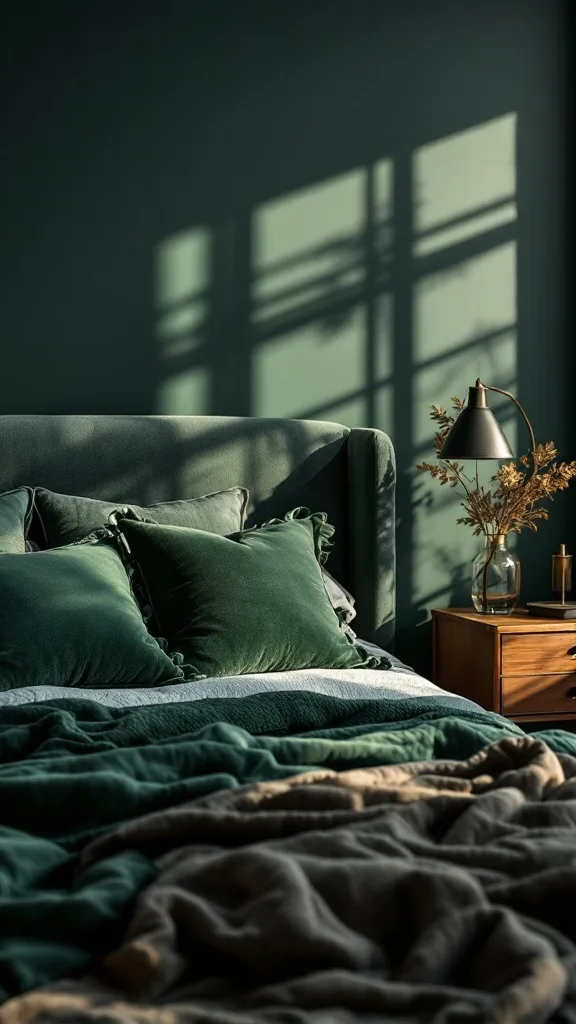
column 398, row 683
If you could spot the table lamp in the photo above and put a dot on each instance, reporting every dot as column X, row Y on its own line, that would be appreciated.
column 476, row 434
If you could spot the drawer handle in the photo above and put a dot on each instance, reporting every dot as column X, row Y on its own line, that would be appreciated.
column 572, row 652
column 572, row 693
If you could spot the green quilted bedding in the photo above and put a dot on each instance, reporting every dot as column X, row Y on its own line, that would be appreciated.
column 71, row 770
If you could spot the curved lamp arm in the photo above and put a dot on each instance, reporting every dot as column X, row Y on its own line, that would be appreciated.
column 490, row 387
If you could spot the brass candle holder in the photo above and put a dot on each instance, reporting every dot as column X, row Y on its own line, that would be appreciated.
column 561, row 574
column 561, row 585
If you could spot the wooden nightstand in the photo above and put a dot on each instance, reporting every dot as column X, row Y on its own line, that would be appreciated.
column 518, row 665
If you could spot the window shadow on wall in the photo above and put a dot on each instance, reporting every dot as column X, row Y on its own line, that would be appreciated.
column 361, row 299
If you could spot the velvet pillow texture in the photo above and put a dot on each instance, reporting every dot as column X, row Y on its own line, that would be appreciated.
column 251, row 602
column 68, row 618
column 64, row 518
column 15, row 515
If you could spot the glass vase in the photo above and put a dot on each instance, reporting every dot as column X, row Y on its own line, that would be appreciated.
column 499, row 574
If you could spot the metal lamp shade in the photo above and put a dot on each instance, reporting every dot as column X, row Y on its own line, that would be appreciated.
column 476, row 435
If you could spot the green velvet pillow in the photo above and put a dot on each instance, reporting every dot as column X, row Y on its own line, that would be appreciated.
column 15, row 515
column 65, row 518
column 68, row 618
column 251, row 602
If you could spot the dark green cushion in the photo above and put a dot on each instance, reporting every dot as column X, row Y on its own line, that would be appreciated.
column 64, row 518
column 15, row 515
column 251, row 602
column 68, row 618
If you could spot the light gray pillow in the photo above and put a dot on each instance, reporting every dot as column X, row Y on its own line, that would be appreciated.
column 340, row 598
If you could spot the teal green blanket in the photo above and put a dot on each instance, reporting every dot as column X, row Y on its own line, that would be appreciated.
column 73, row 769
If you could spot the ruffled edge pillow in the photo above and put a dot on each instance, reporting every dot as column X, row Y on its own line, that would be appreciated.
column 245, row 603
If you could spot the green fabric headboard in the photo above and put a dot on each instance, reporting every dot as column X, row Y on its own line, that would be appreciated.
column 348, row 473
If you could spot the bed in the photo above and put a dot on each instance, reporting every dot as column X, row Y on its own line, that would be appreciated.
column 316, row 844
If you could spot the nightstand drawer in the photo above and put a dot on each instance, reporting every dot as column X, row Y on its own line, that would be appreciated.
column 537, row 694
column 537, row 653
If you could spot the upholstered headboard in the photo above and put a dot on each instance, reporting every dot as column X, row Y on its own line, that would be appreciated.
column 348, row 473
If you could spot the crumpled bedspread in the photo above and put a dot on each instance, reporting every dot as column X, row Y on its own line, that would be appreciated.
column 439, row 891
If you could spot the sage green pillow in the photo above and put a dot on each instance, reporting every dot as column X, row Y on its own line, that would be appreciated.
column 251, row 602
column 15, row 515
column 65, row 518
column 68, row 618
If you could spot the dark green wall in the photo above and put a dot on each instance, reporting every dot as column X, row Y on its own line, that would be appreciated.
column 346, row 214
